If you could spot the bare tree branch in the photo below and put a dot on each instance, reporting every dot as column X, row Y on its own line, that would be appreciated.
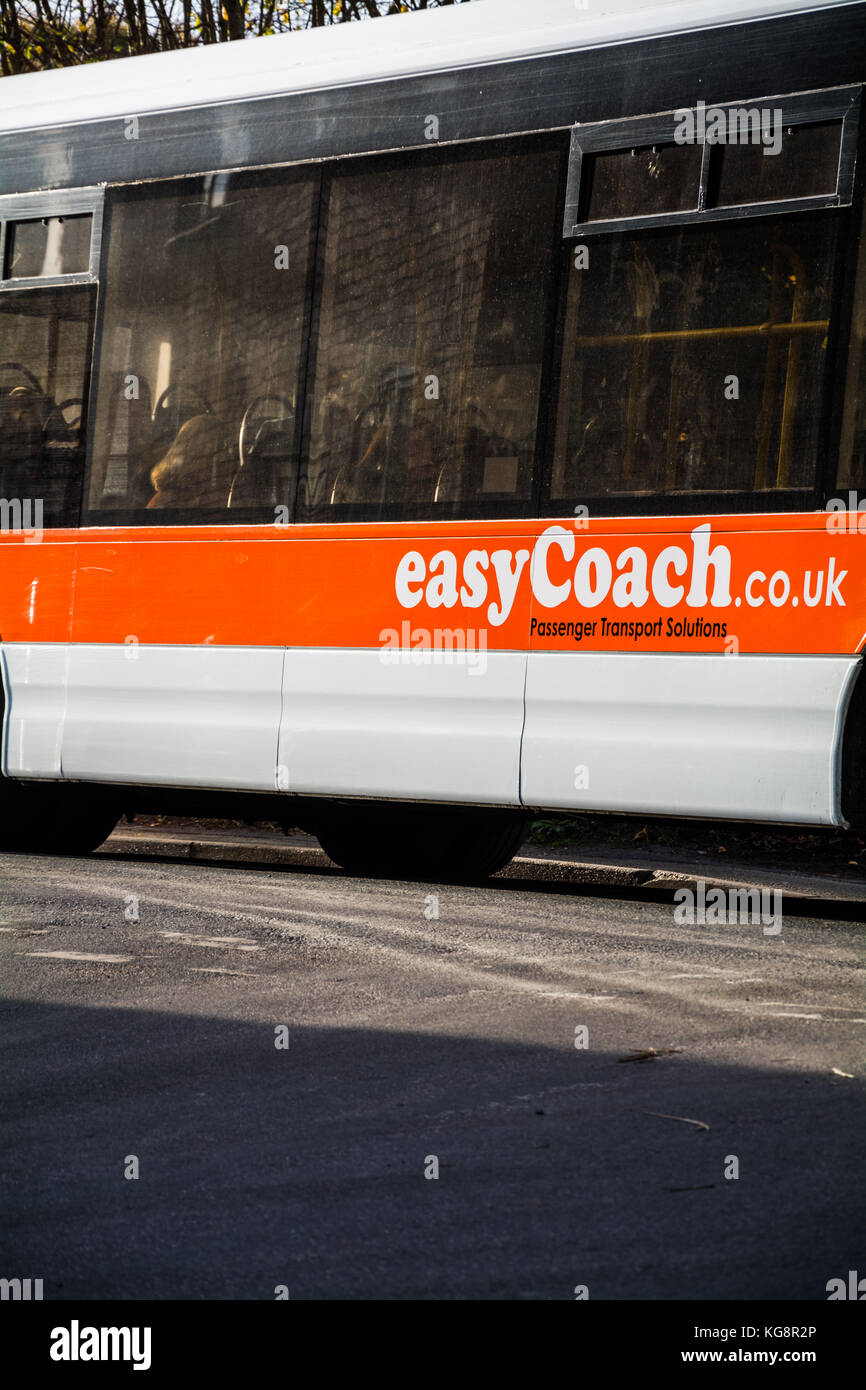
column 37, row 34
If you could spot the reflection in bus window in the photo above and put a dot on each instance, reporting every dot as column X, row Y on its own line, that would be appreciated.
column 430, row 345
column 198, row 374
column 694, row 361
column 44, row 346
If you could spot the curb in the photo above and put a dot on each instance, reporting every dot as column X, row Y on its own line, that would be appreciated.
column 302, row 852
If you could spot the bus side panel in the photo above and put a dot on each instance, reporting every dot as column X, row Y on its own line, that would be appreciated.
column 173, row 715
column 182, row 639
column 427, row 701
column 752, row 737
column 159, row 694
column 36, row 572
column 419, row 724
column 728, row 649
column 34, row 690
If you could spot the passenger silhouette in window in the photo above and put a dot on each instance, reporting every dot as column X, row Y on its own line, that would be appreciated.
column 197, row 469
column 21, row 415
column 39, row 454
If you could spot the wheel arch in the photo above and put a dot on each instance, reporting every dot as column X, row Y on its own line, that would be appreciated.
column 852, row 766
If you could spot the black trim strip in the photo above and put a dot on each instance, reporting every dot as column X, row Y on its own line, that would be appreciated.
column 733, row 63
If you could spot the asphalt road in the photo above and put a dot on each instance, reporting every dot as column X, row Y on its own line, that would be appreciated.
column 412, row 1038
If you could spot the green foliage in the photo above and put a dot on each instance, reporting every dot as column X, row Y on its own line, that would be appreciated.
column 553, row 830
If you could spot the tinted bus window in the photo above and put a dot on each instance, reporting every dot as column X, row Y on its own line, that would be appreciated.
column 201, row 345
column 48, row 246
column 805, row 163
column 431, row 337
column 44, row 346
column 852, row 454
column 694, row 363
column 642, row 182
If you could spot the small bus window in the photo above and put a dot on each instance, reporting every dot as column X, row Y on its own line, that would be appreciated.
column 803, row 162
column 694, row 363
column 44, row 346
column 632, row 183
column 201, row 347
column 786, row 154
column 431, row 337
column 48, row 246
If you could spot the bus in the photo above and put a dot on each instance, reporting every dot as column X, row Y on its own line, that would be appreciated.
column 412, row 427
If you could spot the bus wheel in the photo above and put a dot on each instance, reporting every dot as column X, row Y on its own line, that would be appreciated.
column 54, row 817
column 388, row 841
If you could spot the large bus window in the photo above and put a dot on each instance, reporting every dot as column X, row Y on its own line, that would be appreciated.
column 851, row 475
column 201, row 346
column 694, row 364
column 431, row 337
column 44, row 346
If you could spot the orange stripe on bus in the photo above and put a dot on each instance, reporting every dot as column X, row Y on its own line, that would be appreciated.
column 321, row 586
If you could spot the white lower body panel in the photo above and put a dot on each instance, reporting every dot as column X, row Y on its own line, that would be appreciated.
column 34, row 686
column 751, row 737
column 173, row 716
column 444, row 731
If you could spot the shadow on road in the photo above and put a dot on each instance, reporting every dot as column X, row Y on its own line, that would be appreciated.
column 305, row 1166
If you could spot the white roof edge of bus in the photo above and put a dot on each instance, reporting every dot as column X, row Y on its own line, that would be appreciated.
column 484, row 31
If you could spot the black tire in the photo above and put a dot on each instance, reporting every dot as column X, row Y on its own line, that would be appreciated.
column 428, row 842
column 54, row 817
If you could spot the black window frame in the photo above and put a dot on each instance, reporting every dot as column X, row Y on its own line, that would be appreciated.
column 575, row 142
column 30, row 207
column 177, row 518
column 477, row 509
column 34, row 207
column 618, row 136
column 553, row 141
column 842, row 103
column 709, row 502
